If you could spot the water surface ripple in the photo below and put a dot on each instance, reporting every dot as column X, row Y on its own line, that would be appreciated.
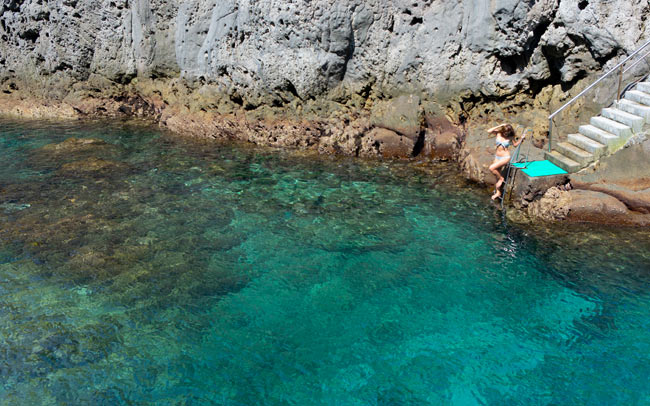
column 143, row 269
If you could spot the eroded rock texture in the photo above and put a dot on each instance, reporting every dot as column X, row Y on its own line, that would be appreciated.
column 330, row 67
column 273, row 51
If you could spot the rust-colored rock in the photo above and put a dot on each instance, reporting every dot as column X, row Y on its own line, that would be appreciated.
column 343, row 139
column 636, row 200
column 474, row 165
column 585, row 206
column 35, row 108
column 386, row 143
column 443, row 146
column 401, row 115
column 442, row 139
column 591, row 206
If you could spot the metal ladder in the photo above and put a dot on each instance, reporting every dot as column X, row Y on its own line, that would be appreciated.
column 513, row 159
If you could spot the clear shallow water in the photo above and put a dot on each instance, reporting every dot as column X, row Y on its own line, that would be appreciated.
column 159, row 271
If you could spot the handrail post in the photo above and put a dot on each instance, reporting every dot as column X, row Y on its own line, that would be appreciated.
column 550, row 134
column 620, row 81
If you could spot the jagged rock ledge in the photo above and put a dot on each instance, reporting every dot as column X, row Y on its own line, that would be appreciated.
column 401, row 127
column 361, row 78
column 612, row 193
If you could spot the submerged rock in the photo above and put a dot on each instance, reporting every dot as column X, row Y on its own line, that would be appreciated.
column 14, row 207
column 74, row 145
column 63, row 155
column 90, row 165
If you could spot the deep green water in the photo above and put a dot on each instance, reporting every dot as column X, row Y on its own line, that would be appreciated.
column 160, row 271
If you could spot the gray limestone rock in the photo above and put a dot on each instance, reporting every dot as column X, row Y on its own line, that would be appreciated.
column 266, row 52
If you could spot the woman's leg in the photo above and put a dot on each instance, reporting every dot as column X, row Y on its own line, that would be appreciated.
column 495, row 168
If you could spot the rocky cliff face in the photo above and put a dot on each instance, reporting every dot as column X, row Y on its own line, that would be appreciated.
column 262, row 49
column 312, row 59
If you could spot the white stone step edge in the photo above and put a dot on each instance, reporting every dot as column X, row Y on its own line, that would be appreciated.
column 643, row 86
column 614, row 127
column 634, row 108
column 588, row 144
column 595, row 133
column 562, row 161
column 574, row 152
column 638, row 96
column 631, row 120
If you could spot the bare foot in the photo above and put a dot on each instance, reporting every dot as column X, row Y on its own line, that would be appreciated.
column 499, row 184
column 496, row 195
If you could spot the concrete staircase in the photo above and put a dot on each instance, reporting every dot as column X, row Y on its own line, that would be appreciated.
column 605, row 133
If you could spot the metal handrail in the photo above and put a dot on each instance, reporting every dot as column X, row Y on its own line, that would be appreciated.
column 620, row 78
column 642, row 59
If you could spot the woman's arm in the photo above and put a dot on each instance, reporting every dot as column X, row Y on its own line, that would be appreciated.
column 493, row 129
column 516, row 143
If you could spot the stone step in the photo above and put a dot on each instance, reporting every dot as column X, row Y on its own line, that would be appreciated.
column 635, row 108
column 562, row 161
column 611, row 126
column 599, row 135
column 643, row 86
column 579, row 155
column 631, row 120
column 594, row 147
column 638, row 96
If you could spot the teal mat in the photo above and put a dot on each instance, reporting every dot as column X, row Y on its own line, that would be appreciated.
column 537, row 169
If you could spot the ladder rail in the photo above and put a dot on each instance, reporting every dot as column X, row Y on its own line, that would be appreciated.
column 513, row 159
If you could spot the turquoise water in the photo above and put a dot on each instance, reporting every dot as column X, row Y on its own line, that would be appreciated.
column 152, row 270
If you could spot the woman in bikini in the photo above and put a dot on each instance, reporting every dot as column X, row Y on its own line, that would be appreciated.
column 505, row 135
